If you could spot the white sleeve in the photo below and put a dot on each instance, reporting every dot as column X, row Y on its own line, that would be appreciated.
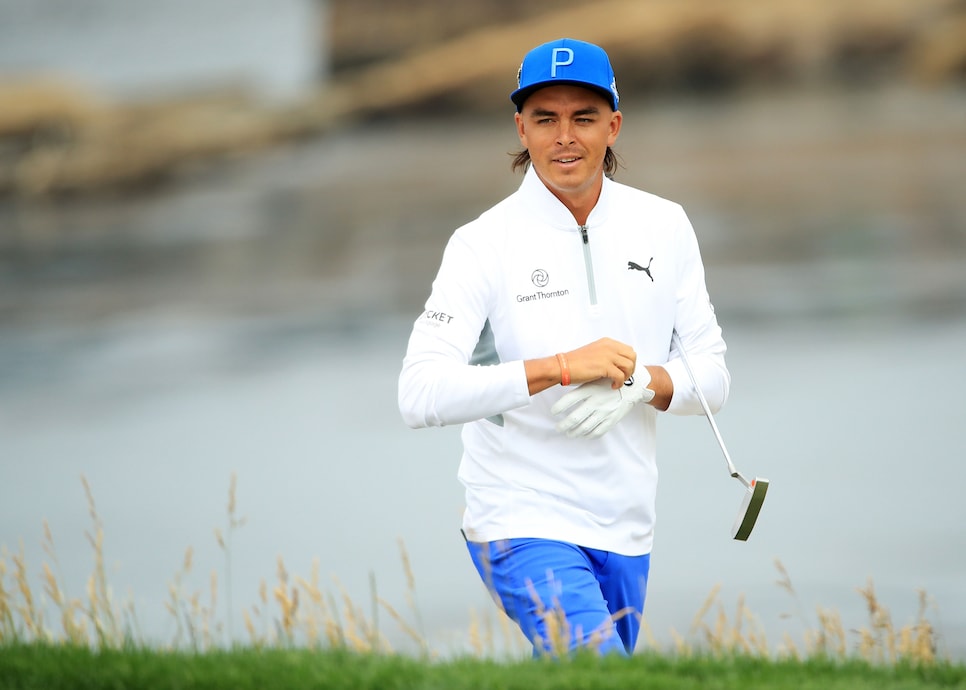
column 697, row 325
column 437, row 385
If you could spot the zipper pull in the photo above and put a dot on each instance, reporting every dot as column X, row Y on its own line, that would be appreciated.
column 583, row 234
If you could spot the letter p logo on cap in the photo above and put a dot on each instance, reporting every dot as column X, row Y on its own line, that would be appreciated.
column 555, row 62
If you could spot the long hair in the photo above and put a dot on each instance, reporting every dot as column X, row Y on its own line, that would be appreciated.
column 521, row 161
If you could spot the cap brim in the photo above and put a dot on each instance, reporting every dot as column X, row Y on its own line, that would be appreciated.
column 520, row 96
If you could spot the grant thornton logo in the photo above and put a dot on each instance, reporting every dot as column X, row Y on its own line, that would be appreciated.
column 541, row 279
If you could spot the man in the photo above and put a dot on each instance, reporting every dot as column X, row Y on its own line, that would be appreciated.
column 548, row 336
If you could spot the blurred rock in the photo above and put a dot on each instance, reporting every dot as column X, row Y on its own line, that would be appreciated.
column 938, row 52
column 28, row 107
column 55, row 139
column 364, row 32
column 688, row 44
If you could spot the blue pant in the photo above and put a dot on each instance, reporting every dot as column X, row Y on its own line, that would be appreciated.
column 565, row 596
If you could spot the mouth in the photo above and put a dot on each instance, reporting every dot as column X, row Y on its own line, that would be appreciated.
column 566, row 160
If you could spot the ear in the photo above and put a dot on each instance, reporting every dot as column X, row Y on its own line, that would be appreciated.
column 616, row 120
column 521, row 129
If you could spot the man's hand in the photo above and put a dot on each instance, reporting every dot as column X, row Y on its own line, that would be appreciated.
column 595, row 407
column 602, row 359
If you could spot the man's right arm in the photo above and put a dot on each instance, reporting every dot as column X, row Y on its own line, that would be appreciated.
column 437, row 385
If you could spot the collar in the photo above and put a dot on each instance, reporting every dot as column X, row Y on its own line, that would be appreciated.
column 539, row 201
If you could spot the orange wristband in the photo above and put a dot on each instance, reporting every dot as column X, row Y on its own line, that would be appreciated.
column 564, row 369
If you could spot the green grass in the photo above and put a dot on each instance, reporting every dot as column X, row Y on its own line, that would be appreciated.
column 52, row 667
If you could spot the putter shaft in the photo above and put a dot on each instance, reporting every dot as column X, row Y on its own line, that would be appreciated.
column 707, row 410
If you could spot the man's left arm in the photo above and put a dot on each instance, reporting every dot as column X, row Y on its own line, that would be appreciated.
column 698, row 328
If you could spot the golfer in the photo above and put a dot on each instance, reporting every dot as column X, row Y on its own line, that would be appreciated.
column 547, row 335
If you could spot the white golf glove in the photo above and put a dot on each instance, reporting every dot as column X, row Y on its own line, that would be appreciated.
column 595, row 407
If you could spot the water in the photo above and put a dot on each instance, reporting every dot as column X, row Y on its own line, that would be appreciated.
column 251, row 319
column 864, row 484
column 130, row 49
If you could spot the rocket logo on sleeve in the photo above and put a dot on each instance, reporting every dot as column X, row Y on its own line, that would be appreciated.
column 437, row 318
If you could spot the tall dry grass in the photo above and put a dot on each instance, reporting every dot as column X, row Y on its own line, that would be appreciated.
column 300, row 611
column 878, row 641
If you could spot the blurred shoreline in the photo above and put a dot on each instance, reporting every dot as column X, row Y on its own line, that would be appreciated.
column 59, row 139
column 827, row 201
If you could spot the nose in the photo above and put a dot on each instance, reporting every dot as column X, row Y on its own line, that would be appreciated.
column 564, row 134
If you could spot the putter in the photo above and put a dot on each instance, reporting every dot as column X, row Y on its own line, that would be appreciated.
column 756, row 488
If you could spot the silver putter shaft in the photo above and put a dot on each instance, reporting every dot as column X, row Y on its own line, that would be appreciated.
column 756, row 488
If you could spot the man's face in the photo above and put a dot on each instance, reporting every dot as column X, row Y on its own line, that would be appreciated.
column 567, row 130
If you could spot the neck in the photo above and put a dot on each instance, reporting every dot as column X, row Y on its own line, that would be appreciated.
column 579, row 203
column 580, row 214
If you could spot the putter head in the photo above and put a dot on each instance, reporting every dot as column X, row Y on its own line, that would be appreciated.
column 750, row 507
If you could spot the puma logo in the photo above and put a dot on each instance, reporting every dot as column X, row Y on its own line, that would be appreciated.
column 637, row 267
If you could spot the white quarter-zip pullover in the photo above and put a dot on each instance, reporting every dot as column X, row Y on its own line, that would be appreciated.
column 525, row 281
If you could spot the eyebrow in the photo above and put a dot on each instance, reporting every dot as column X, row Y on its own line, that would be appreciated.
column 541, row 112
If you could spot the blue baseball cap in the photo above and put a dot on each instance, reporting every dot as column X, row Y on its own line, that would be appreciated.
column 566, row 61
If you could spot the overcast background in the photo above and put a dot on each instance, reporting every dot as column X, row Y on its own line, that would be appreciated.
column 250, row 317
